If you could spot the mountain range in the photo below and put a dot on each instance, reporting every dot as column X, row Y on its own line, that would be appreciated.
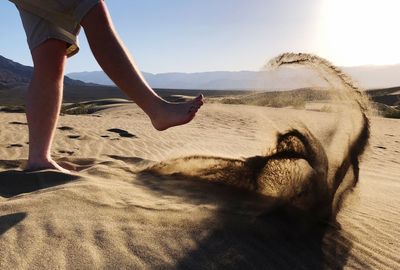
column 14, row 79
column 218, row 80
column 368, row 77
column 13, row 74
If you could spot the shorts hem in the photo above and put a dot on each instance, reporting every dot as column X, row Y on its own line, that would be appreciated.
column 72, row 48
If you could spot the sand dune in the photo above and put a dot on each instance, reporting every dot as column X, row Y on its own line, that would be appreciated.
column 241, row 187
column 114, row 215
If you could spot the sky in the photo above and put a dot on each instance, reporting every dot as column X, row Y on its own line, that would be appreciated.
column 232, row 35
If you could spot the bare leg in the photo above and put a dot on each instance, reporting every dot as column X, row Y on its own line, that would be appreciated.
column 44, row 101
column 117, row 63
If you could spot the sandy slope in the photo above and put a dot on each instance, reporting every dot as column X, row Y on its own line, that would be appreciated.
column 112, row 215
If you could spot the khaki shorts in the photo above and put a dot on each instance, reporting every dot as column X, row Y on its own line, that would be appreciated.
column 53, row 19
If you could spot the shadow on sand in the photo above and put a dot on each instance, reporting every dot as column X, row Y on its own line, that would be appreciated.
column 250, row 231
column 10, row 220
column 269, row 212
column 14, row 182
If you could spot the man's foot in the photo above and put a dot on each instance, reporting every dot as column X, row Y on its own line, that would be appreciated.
column 175, row 114
column 45, row 165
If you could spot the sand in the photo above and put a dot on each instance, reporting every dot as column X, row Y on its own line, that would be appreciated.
column 114, row 214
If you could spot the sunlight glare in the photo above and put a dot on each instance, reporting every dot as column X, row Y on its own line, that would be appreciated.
column 360, row 32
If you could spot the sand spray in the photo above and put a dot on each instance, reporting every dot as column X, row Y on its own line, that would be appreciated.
column 303, row 175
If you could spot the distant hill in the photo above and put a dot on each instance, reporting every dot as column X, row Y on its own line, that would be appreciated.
column 13, row 74
column 369, row 77
column 373, row 77
column 387, row 96
column 285, row 78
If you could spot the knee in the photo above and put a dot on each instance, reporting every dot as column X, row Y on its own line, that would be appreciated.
column 49, row 58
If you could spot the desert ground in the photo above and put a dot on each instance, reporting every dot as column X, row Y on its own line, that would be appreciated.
column 134, row 202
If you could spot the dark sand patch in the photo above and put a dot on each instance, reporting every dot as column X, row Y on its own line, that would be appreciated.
column 65, row 128
column 74, row 136
column 122, row 133
column 18, row 123
column 66, row 152
column 15, row 145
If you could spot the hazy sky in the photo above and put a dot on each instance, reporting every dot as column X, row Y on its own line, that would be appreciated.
column 209, row 35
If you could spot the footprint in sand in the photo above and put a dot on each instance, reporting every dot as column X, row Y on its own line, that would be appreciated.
column 74, row 136
column 15, row 145
column 66, row 152
column 18, row 123
column 65, row 128
column 122, row 133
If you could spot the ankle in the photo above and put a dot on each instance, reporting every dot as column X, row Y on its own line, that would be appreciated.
column 39, row 160
column 155, row 108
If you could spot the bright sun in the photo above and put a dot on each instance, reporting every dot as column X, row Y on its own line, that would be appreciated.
column 360, row 32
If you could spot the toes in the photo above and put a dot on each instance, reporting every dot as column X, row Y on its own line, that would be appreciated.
column 199, row 99
column 196, row 104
